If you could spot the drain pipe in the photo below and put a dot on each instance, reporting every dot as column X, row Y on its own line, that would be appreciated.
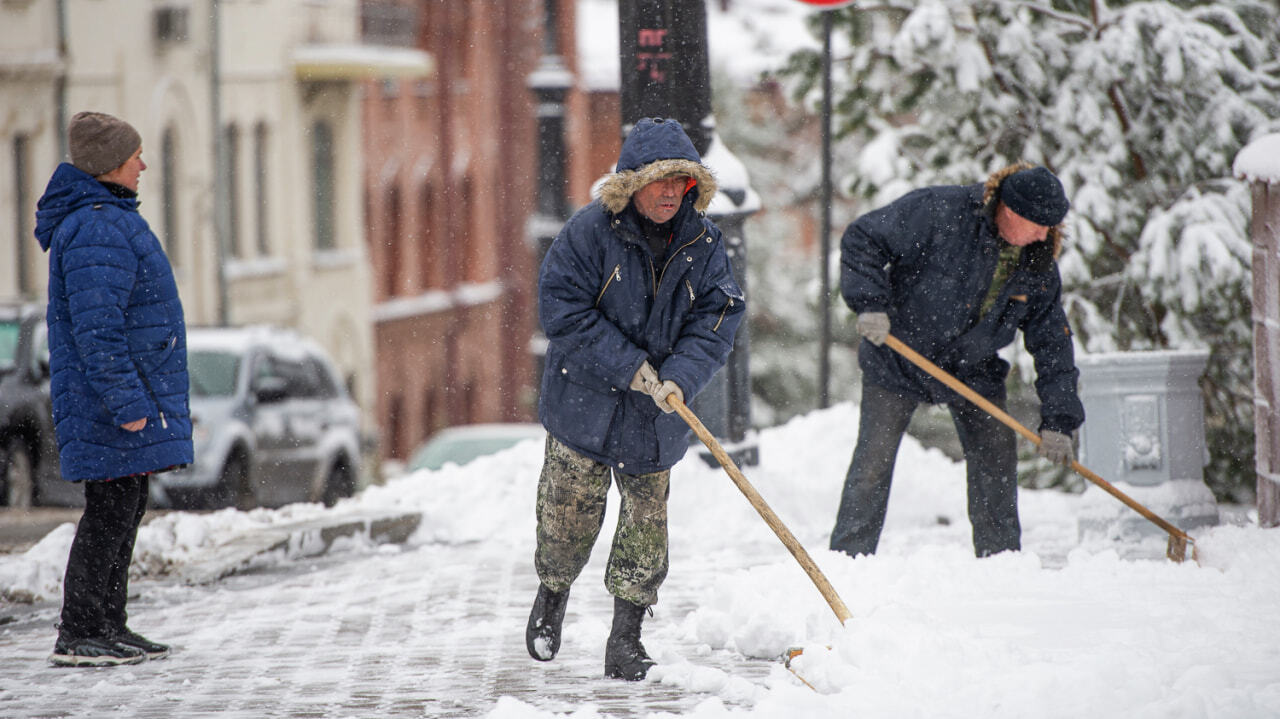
column 60, row 81
column 219, row 194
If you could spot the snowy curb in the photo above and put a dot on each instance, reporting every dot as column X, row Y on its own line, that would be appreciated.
column 306, row 538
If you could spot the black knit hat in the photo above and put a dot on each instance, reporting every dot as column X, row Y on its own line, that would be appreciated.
column 99, row 143
column 1036, row 195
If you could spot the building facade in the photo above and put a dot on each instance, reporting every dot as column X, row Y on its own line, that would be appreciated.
column 450, row 182
column 250, row 116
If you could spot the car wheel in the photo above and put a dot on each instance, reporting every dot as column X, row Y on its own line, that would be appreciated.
column 19, row 474
column 340, row 483
column 233, row 485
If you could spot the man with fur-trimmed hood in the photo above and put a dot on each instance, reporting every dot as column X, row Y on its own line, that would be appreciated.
column 956, row 272
column 638, row 303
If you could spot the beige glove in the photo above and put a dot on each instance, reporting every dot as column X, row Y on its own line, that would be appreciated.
column 1056, row 447
column 646, row 379
column 661, row 393
column 874, row 326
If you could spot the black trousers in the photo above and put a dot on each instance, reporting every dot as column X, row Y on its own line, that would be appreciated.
column 991, row 462
column 96, row 584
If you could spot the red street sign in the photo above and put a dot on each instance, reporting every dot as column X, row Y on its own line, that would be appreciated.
column 828, row 4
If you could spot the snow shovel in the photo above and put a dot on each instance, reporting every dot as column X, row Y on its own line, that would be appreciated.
column 792, row 544
column 1178, row 539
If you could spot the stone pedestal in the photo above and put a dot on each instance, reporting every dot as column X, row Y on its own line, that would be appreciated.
column 1144, row 433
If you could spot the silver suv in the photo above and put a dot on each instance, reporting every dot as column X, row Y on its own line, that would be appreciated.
column 273, row 423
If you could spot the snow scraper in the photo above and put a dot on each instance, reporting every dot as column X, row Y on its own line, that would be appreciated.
column 1178, row 539
column 780, row 529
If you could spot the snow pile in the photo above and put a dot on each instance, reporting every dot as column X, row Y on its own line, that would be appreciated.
column 1062, row 629
column 1259, row 161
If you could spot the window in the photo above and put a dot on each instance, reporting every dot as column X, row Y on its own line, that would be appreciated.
column 169, row 192
column 22, row 213
column 322, row 165
column 393, row 243
column 428, row 262
column 212, row 373
column 395, row 426
column 471, row 268
column 430, row 412
column 9, row 334
column 231, row 186
column 261, row 235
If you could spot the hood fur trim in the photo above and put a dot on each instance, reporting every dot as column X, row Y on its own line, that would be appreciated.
column 991, row 192
column 616, row 189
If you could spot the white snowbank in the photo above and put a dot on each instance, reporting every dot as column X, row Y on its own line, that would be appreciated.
column 1061, row 629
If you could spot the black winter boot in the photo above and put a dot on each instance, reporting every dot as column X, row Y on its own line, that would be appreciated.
column 624, row 655
column 542, row 634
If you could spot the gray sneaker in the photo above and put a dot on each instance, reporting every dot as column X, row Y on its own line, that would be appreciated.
column 131, row 639
column 93, row 652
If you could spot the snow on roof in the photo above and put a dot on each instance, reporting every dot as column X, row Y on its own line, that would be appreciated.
column 1259, row 161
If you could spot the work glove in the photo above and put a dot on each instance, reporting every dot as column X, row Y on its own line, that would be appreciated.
column 1056, row 447
column 646, row 379
column 667, row 389
column 874, row 326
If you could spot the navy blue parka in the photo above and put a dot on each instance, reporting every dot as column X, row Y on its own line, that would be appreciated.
column 607, row 304
column 927, row 260
column 117, row 336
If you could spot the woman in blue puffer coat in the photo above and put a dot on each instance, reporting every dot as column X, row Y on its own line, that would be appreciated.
column 638, row 302
column 118, row 362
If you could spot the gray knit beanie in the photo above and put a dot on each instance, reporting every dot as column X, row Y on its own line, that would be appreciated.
column 100, row 143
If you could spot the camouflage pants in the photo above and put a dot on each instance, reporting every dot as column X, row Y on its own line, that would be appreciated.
column 571, row 501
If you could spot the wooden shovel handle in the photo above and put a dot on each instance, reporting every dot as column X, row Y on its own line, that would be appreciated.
column 942, row 376
column 788, row 539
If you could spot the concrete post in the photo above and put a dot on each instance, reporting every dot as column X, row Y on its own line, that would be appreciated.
column 1257, row 163
column 1144, row 428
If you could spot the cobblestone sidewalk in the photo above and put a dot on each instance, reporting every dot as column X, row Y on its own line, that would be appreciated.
column 434, row 631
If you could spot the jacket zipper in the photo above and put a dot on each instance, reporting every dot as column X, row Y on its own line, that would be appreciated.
column 722, row 314
column 616, row 275
column 154, row 398
column 673, row 256
column 164, row 424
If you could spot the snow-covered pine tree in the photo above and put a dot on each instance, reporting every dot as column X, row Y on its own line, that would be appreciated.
column 1140, row 108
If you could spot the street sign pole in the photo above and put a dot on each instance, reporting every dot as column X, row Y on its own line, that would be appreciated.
column 824, row 251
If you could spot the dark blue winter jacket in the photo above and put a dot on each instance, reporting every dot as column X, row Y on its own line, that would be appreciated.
column 607, row 304
column 117, row 339
column 928, row 260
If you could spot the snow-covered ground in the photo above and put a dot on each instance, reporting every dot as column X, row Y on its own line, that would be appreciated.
column 1062, row 629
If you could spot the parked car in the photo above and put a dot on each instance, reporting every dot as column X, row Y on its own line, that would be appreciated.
column 28, row 448
column 272, row 423
column 462, row 443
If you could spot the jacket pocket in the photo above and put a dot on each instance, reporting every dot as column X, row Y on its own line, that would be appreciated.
column 733, row 296
column 578, row 413
column 616, row 275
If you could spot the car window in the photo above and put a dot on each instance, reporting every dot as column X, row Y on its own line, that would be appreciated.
column 326, row 386
column 300, row 375
column 8, row 343
column 40, row 358
column 213, row 374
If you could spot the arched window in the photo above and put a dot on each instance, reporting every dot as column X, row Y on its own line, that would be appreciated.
column 322, row 180
column 231, row 187
column 23, row 211
column 169, row 216
column 261, row 216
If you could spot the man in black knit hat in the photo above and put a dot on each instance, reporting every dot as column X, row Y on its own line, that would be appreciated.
column 955, row 272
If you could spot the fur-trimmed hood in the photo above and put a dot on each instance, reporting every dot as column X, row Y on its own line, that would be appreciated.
column 991, row 196
column 657, row 148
